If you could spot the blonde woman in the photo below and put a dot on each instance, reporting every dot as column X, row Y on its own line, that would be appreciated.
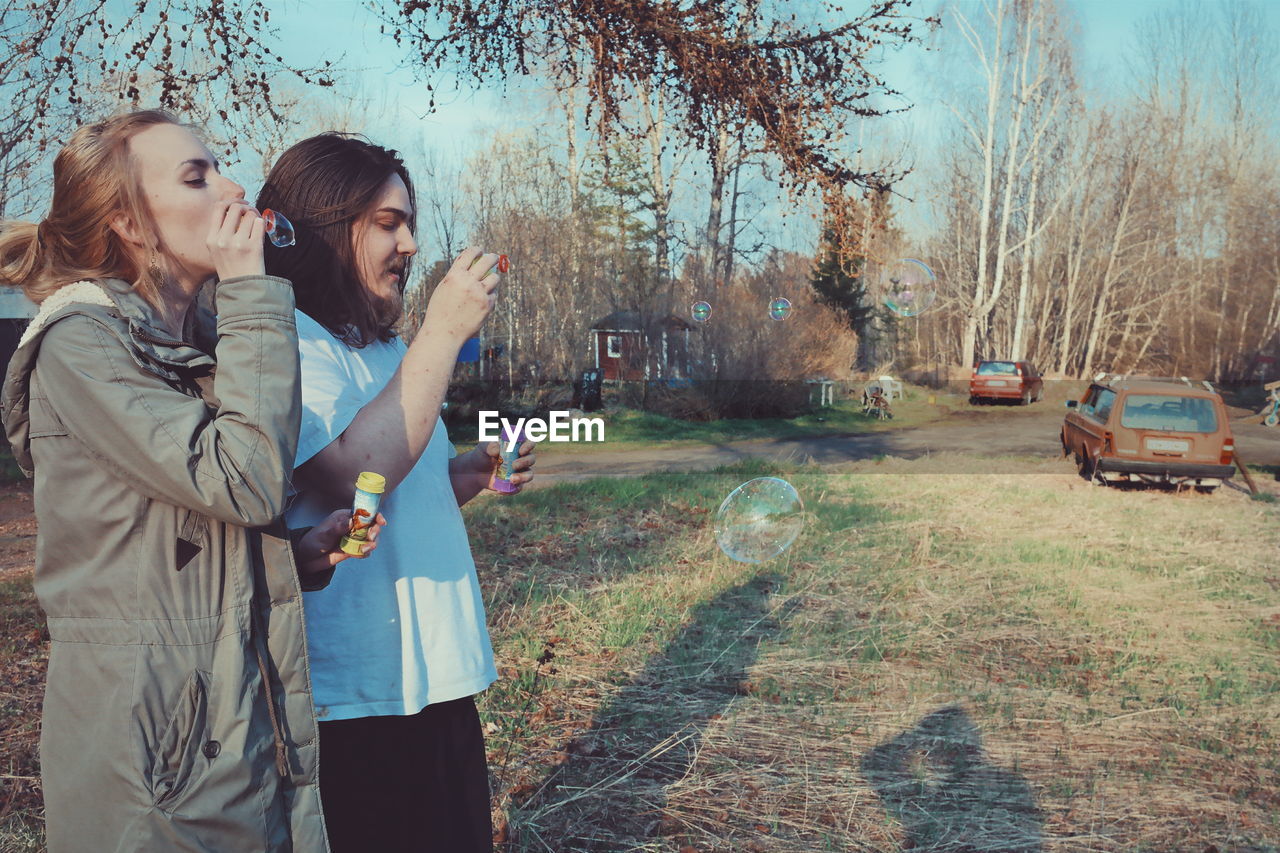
column 178, row 711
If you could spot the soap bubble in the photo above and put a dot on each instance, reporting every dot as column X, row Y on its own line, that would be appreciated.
column 700, row 311
column 908, row 287
column 279, row 229
column 780, row 308
column 759, row 520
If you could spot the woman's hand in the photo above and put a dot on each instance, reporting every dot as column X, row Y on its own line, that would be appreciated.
column 235, row 240
column 464, row 299
column 523, row 466
column 318, row 551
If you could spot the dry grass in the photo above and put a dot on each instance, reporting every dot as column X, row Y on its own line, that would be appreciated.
column 947, row 662
column 953, row 661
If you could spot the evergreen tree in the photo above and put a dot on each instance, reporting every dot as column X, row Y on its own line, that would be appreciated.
column 839, row 280
column 615, row 199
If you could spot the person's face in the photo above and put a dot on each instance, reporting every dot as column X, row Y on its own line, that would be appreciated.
column 383, row 243
column 182, row 186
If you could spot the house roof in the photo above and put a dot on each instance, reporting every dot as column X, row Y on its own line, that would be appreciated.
column 629, row 321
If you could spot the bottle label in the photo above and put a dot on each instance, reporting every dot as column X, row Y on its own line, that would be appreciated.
column 364, row 511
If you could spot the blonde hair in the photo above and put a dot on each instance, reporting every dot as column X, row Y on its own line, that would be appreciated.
column 94, row 180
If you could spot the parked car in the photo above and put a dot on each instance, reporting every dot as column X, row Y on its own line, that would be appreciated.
column 1150, row 431
column 1005, row 380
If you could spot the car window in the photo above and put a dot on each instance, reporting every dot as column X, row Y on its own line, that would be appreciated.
column 1102, row 408
column 1169, row 412
column 997, row 368
column 1086, row 405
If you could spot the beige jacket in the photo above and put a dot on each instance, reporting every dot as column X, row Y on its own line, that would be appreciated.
column 178, row 711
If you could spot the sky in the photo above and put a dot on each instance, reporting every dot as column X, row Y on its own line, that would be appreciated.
column 348, row 33
column 466, row 116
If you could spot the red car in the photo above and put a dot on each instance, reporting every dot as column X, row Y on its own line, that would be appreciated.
column 1005, row 380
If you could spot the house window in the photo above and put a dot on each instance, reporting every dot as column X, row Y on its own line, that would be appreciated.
column 613, row 346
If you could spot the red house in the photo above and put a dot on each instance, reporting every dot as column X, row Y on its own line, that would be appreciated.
column 623, row 351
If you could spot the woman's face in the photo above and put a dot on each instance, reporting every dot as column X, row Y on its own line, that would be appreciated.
column 183, row 189
column 383, row 243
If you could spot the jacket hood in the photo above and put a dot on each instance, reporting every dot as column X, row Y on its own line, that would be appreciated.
column 117, row 305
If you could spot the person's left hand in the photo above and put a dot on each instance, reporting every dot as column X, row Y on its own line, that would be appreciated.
column 318, row 550
column 523, row 466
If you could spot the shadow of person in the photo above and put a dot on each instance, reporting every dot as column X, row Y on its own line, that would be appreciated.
column 610, row 792
column 936, row 781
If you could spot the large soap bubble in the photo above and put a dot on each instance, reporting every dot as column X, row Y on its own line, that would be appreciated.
column 908, row 287
column 759, row 520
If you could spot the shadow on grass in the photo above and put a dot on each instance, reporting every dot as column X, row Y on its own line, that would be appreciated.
column 936, row 781
column 610, row 792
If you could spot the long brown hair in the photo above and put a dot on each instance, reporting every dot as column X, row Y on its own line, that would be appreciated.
column 326, row 184
column 94, row 180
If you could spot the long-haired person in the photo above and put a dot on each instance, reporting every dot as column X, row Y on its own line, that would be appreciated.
column 177, row 711
column 399, row 648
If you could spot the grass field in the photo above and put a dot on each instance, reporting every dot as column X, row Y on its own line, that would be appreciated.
column 942, row 662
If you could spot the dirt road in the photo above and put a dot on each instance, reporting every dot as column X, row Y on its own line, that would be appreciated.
column 994, row 431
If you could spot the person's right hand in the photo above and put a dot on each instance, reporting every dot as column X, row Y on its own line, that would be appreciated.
column 464, row 299
column 235, row 240
column 320, row 549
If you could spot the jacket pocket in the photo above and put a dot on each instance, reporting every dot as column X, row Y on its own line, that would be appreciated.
column 192, row 539
column 44, row 420
column 182, row 741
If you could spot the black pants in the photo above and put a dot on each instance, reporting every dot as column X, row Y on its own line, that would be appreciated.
column 418, row 783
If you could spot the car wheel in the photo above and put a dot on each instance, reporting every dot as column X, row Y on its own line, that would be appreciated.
column 1206, row 490
column 973, row 401
column 1066, row 450
column 1088, row 469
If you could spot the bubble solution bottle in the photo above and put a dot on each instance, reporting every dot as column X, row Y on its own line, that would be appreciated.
column 502, row 477
column 364, row 512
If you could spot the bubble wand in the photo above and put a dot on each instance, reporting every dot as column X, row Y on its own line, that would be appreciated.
column 279, row 229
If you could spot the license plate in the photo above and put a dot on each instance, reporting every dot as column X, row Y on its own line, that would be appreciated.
column 1168, row 445
column 995, row 382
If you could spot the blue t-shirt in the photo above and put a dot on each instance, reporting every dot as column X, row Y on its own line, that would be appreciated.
column 404, row 627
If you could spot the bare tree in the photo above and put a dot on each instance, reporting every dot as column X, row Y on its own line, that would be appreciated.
column 1022, row 55
column 786, row 79
column 180, row 54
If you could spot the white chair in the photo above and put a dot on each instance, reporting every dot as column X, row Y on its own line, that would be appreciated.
column 892, row 387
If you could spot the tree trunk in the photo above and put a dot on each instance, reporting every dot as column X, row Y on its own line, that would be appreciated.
column 731, row 244
column 1101, row 314
column 719, row 163
column 1024, row 281
column 994, row 68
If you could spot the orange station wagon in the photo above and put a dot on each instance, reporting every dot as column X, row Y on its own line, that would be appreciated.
column 1150, row 431
column 1005, row 380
